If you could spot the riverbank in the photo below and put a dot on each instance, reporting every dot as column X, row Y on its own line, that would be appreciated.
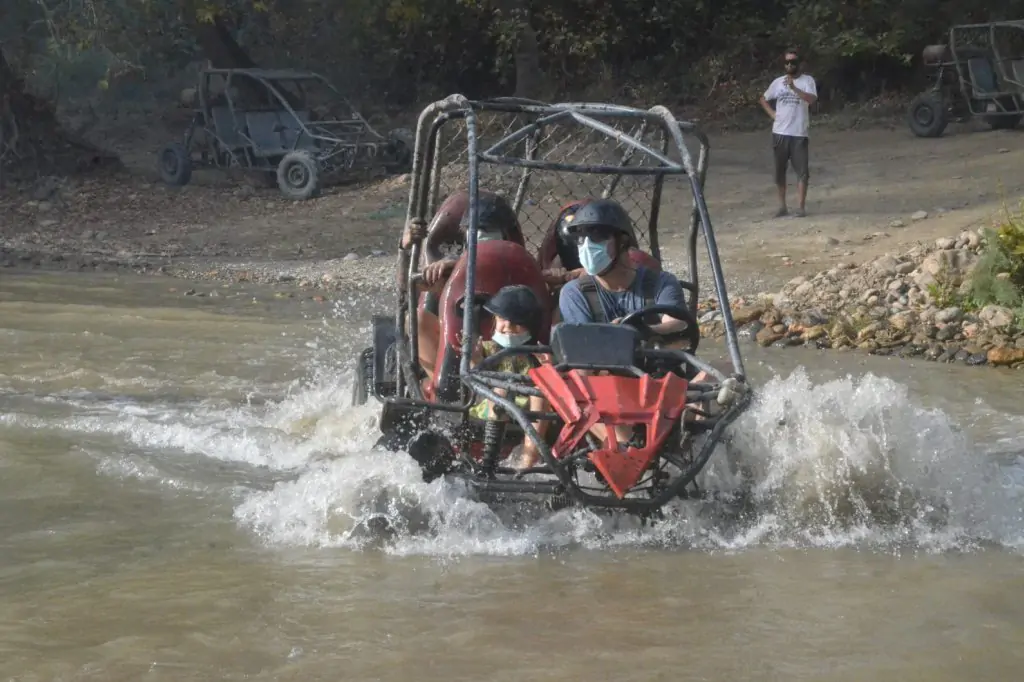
column 879, row 201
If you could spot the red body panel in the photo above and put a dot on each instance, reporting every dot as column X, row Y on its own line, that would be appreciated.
column 582, row 401
column 499, row 264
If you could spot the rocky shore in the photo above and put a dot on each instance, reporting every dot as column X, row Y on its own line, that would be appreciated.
column 902, row 305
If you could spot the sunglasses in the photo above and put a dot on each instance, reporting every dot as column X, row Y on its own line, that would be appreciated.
column 792, row 62
column 598, row 235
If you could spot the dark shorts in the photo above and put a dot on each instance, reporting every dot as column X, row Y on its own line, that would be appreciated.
column 789, row 149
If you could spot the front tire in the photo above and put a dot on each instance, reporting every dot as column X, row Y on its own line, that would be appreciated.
column 927, row 115
column 298, row 175
column 175, row 165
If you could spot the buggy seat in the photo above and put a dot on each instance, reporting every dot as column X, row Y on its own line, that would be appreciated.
column 499, row 264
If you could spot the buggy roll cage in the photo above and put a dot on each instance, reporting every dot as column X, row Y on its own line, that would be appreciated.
column 998, row 60
column 424, row 191
column 267, row 79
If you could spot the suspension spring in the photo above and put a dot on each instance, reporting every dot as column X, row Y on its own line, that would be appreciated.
column 494, row 436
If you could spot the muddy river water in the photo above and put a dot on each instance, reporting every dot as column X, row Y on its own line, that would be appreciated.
column 184, row 491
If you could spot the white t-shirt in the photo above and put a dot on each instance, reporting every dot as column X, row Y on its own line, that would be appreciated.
column 792, row 114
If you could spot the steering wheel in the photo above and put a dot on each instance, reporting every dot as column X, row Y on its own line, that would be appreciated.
column 691, row 333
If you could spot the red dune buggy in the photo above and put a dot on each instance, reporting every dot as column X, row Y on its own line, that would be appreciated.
column 543, row 158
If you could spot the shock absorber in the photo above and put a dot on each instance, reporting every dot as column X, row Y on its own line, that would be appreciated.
column 494, row 436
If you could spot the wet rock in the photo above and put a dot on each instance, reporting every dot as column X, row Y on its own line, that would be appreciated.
column 976, row 359
column 351, row 257
column 813, row 333
column 897, row 223
column 945, row 334
column 868, row 331
column 919, row 215
column 1003, row 357
column 934, row 351
column 911, row 350
column 709, row 317
column 753, row 329
column 767, row 337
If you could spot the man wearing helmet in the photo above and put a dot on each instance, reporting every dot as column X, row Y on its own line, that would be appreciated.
column 612, row 286
column 560, row 257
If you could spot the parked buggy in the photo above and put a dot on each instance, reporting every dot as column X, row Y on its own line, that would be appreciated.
column 979, row 73
column 290, row 126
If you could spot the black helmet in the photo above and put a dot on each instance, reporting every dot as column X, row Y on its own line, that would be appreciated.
column 495, row 216
column 603, row 213
column 567, row 221
column 518, row 304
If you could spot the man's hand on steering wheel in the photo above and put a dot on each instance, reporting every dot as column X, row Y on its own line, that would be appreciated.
column 677, row 324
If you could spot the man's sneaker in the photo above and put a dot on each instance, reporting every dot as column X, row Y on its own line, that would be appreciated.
column 799, row 213
column 781, row 212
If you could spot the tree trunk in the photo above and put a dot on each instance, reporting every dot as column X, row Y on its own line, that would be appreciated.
column 529, row 79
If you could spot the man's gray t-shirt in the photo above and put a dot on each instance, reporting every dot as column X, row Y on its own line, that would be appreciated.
column 575, row 310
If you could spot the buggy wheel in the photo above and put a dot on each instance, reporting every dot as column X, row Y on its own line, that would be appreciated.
column 927, row 116
column 174, row 165
column 298, row 175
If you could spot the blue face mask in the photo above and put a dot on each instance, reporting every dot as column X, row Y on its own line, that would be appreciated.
column 594, row 256
column 509, row 340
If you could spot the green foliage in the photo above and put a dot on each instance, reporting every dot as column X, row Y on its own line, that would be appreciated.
column 406, row 50
column 998, row 277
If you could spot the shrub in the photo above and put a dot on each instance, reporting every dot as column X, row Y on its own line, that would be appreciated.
column 998, row 277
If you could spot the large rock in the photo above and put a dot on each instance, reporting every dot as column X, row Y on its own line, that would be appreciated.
column 747, row 314
column 1001, row 357
column 949, row 315
column 948, row 266
column 767, row 336
column 996, row 316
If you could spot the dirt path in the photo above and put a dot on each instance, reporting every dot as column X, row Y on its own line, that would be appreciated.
column 861, row 183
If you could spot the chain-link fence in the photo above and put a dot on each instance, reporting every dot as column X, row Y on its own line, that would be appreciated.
column 545, row 191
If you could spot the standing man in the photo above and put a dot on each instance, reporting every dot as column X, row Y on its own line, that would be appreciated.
column 793, row 94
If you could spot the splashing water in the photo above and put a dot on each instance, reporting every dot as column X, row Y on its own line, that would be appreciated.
column 848, row 462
